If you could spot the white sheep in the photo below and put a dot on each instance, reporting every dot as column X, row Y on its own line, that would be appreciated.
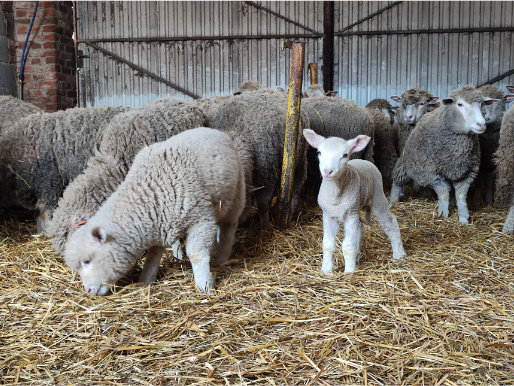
column 181, row 188
column 347, row 187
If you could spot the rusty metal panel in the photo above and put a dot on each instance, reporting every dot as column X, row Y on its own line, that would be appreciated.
column 217, row 54
column 377, row 66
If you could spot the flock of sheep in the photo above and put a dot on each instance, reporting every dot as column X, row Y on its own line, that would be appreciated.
column 109, row 183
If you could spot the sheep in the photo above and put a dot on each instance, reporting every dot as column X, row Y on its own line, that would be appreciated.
column 444, row 150
column 13, row 109
column 414, row 103
column 384, row 107
column 483, row 186
column 384, row 151
column 350, row 186
column 315, row 90
column 340, row 118
column 249, row 85
column 42, row 153
column 258, row 119
column 504, row 160
column 183, row 187
column 126, row 134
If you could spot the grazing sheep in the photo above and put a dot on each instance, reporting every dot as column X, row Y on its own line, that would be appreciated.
column 414, row 103
column 123, row 138
column 183, row 187
column 444, row 150
column 258, row 119
column 483, row 186
column 249, row 85
column 384, row 107
column 347, row 188
column 13, row 109
column 504, row 160
column 335, row 117
column 42, row 153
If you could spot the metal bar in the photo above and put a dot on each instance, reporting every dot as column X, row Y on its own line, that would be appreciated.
column 370, row 16
column 142, row 70
column 193, row 38
column 428, row 31
column 328, row 46
column 498, row 78
column 291, row 133
column 313, row 70
column 279, row 16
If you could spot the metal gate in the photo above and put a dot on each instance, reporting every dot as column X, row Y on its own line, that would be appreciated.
column 134, row 52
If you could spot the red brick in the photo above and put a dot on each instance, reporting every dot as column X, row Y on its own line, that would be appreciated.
column 52, row 36
column 48, row 83
column 35, row 46
column 51, row 60
column 22, row 29
column 49, row 12
column 49, row 45
column 48, row 28
column 37, row 92
column 29, row 85
column 51, row 91
column 21, row 13
column 38, row 76
column 35, row 61
column 29, row 68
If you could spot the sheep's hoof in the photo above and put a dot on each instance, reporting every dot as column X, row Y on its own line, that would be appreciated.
column 463, row 220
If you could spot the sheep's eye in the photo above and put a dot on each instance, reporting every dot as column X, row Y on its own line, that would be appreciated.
column 86, row 262
column 345, row 155
column 421, row 104
column 460, row 104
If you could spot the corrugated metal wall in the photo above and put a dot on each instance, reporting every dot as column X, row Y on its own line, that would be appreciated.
column 210, row 48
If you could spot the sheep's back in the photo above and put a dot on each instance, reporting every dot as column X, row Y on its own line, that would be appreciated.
column 504, row 160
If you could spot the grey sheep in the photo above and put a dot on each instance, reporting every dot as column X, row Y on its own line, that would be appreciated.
column 315, row 90
column 350, row 186
column 42, row 153
column 12, row 110
column 444, row 150
column 335, row 117
column 249, row 85
column 384, row 107
column 184, row 187
column 414, row 103
column 504, row 160
column 258, row 119
column 483, row 187
column 124, row 137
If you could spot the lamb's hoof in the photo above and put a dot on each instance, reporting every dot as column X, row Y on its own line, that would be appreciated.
column 463, row 220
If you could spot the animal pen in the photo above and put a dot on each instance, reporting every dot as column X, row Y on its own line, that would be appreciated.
column 442, row 316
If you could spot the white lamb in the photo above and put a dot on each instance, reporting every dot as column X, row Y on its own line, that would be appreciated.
column 347, row 187
column 181, row 188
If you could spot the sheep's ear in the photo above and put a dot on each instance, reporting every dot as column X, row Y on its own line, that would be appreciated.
column 448, row 101
column 331, row 93
column 433, row 100
column 510, row 88
column 358, row 143
column 313, row 138
column 508, row 98
column 99, row 235
column 489, row 101
column 396, row 98
column 238, row 93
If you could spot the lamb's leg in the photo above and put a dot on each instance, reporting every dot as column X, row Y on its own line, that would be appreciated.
column 442, row 189
column 389, row 224
column 330, row 229
column 461, row 192
column 508, row 227
column 151, row 266
column 227, row 237
column 200, row 240
column 351, row 242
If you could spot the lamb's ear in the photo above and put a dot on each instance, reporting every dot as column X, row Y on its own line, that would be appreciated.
column 99, row 235
column 358, row 143
column 510, row 88
column 433, row 100
column 396, row 98
column 448, row 101
column 508, row 98
column 313, row 138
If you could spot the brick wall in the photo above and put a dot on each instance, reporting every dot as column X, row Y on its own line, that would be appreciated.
column 49, row 69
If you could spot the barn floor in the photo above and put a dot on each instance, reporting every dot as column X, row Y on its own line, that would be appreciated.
column 445, row 316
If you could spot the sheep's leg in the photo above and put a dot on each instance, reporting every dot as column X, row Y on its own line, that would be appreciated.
column 43, row 219
column 330, row 229
column 151, row 266
column 461, row 192
column 508, row 227
column 227, row 237
column 351, row 242
column 442, row 189
column 396, row 193
column 199, row 244
column 489, row 187
column 262, row 199
column 389, row 224
column 177, row 250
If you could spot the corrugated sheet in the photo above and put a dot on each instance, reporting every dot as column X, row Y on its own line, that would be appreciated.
column 366, row 66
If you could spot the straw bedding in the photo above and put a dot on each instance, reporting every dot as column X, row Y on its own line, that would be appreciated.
column 443, row 317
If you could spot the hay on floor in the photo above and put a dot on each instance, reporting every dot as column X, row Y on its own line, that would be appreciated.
column 445, row 316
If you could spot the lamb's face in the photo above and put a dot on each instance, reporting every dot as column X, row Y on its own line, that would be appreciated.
column 96, row 256
column 471, row 113
column 333, row 152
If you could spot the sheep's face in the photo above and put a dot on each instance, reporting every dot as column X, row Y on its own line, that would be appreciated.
column 96, row 256
column 414, row 107
column 493, row 112
column 471, row 113
column 333, row 152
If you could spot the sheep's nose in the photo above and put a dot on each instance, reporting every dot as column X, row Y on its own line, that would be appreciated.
column 409, row 117
column 481, row 125
column 327, row 172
